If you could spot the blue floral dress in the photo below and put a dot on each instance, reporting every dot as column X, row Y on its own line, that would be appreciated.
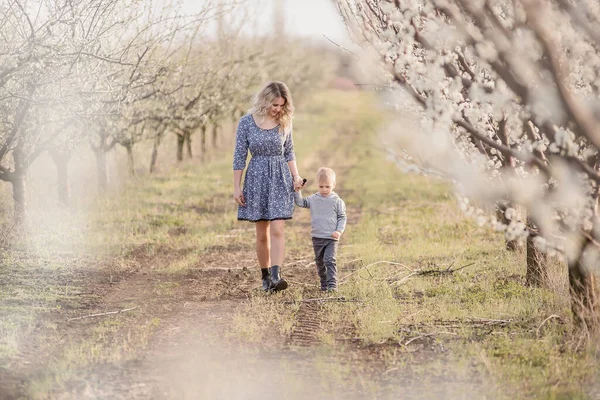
column 268, row 185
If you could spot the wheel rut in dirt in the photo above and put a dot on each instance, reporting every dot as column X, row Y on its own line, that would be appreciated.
column 305, row 332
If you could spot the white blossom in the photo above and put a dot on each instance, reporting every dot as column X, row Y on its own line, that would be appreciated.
column 505, row 87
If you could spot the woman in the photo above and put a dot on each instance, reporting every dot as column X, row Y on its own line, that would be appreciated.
column 267, row 198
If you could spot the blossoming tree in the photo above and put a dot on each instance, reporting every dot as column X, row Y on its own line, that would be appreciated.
column 507, row 96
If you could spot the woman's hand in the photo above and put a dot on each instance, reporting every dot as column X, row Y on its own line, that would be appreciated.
column 238, row 196
column 336, row 234
column 298, row 182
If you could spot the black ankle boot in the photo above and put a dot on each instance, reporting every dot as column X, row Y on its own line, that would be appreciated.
column 277, row 282
column 267, row 283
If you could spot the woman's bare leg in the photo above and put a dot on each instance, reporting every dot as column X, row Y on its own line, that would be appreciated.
column 263, row 244
column 277, row 242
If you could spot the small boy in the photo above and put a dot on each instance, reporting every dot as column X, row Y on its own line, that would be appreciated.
column 328, row 221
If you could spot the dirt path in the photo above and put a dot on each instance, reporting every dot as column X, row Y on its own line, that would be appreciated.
column 193, row 334
column 186, row 323
column 191, row 353
column 182, row 343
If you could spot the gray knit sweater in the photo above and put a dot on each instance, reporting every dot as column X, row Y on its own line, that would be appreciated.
column 328, row 214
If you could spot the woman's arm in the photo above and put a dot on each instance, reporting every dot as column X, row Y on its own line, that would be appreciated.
column 293, row 168
column 290, row 157
column 240, row 154
column 238, row 195
column 295, row 175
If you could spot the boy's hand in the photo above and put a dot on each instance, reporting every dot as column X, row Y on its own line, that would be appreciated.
column 336, row 235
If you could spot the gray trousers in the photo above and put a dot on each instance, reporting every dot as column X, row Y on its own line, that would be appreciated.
column 325, row 257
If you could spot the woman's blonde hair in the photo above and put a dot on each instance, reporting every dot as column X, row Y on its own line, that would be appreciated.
column 263, row 100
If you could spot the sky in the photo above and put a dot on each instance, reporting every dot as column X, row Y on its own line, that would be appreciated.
column 314, row 18
column 306, row 18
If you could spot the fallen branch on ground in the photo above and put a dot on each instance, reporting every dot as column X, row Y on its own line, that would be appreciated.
column 423, row 272
column 458, row 323
column 428, row 335
column 222, row 269
column 491, row 322
column 324, row 300
column 441, row 271
column 102, row 314
column 537, row 331
column 345, row 279
column 351, row 261
column 482, row 323
column 412, row 315
column 400, row 281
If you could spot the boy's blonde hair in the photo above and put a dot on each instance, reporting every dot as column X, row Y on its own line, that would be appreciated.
column 325, row 174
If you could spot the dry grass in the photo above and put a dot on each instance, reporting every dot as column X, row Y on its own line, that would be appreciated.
column 444, row 322
column 434, row 336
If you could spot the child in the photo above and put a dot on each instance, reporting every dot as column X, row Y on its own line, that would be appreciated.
column 328, row 220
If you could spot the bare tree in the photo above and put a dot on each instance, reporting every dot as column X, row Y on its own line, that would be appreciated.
column 131, row 99
column 42, row 46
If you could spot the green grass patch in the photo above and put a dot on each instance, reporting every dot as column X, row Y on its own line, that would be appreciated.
column 478, row 325
column 414, row 220
column 113, row 340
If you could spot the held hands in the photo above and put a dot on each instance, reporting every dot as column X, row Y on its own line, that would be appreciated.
column 298, row 182
column 238, row 196
column 336, row 235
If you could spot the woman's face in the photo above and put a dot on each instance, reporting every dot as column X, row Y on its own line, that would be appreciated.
column 276, row 107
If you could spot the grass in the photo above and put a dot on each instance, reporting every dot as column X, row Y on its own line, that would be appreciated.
column 160, row 223
column 415, row 221
column 175, row 210
column 110, row 341
column 424, row 331
column 268, row 317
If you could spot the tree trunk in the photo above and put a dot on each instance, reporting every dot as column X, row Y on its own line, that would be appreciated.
column 234, row 119
column 180, row 143
column 130, row 160
column 582, row 287
column 154, row 156
column 19, row 185
column 101, row 170
column 187, row 137
column 537, row 261
column 203, row 143
column 61, row 160
column 537, row 265
column 215, row 136
column 19, row 196
column 511, row 245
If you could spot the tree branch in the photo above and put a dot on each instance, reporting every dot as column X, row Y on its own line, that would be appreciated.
column 577, row 111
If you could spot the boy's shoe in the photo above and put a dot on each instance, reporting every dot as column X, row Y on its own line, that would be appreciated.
column 277, row 282
column 332, row 289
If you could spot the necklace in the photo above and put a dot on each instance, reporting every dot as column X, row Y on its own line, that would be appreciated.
column 264, row 119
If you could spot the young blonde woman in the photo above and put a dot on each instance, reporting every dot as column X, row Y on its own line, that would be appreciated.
column 267, row 197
